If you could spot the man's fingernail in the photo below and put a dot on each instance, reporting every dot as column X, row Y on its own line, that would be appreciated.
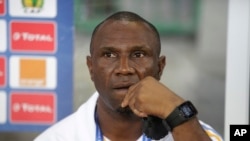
column 122, row 105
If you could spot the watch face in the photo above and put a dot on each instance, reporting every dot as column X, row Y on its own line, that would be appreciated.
column 188, row 110
column 181, row 114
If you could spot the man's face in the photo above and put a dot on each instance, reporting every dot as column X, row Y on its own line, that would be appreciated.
column 123, row 54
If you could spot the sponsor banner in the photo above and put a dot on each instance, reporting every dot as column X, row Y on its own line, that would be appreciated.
column 33, row 8
column 2, row 7
column 35, row 69
column 35, row 107
column 37, row 37
column 2, row 71
column 33, row 72
column 3, row 36
column 3, row 107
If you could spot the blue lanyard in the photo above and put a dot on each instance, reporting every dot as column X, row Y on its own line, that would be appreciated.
column 99, row 136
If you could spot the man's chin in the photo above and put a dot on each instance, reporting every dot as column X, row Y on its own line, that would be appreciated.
column 126, row 111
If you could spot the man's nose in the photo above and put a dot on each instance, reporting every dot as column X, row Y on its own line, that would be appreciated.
column 124, row 66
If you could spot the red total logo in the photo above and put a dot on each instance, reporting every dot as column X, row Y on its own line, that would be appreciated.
column 33, row 36
column 2, row 7
column 32, row 107
column 2, row 71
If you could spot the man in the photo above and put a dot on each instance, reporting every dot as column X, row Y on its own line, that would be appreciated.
column 125, row 66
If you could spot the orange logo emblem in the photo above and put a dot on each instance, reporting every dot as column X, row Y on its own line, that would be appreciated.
column 32, row 72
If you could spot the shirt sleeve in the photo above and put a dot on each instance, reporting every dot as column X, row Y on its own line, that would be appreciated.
column 212, row 133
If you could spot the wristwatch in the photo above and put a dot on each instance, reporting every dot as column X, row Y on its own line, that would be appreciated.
column 181, row 114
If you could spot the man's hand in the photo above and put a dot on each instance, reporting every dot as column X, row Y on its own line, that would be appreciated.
column 150, row 97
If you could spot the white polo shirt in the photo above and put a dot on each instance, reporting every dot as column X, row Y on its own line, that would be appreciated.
column 80, row 126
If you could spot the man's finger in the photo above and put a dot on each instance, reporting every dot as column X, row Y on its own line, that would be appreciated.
column 129, row 95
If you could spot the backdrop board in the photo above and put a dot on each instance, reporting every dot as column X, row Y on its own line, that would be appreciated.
column 36, row 63
column 238, row 65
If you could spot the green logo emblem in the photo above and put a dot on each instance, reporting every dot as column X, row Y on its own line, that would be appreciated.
column 32, row 5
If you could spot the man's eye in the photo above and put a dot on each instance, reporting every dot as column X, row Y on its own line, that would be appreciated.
column 110, row 54
column 138, row 54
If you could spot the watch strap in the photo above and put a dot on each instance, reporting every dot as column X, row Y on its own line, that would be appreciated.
column 181, row 114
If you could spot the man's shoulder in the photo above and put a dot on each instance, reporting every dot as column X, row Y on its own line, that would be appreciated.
column 70, row 126
column 59, row 129
column 212, row 133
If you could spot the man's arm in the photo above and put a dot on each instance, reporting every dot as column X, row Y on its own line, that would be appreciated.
column 150, row 97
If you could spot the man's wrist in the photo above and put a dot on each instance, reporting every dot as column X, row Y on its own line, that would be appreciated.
column 180, row 114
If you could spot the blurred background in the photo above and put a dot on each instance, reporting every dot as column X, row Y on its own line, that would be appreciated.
column 193, row 35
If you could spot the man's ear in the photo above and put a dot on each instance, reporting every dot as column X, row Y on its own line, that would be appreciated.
column 161, row 65
column 90, row 66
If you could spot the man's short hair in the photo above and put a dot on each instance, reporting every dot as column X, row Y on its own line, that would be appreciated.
column 132, row 17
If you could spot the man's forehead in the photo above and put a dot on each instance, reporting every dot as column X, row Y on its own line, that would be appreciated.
column 134, row 28
column 124, row 23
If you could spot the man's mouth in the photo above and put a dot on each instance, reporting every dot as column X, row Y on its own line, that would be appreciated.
column 123, row 88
